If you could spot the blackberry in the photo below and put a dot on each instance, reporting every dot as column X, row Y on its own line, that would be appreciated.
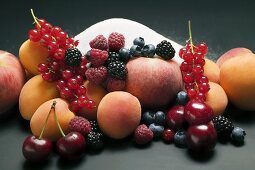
column 165, row 50
column 117, row 70
column 94, row 126
column 223, row 127
column 73, row 57
column 94, row 141
column 112, row 57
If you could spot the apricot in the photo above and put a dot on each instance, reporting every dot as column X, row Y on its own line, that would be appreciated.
column 35, row 92
column 232, row 53
column 95, row 93
column 237, row 77
column 28, row 75
column 51, row 131
column 212, row 71
column 217, row 99
column 153, row 81
column 31, row 54
column 118, row 114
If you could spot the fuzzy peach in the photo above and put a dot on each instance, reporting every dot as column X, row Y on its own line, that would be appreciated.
column 212, row 71
column 119, row 114
column 52, row 131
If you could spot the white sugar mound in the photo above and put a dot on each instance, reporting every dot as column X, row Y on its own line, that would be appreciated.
column 130, row 29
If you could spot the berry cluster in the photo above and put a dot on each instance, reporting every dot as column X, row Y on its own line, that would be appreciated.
column 65, row 65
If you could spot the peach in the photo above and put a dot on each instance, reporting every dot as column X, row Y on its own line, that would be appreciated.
column 95, row 93
column 51, row 131
column 217, row 99
column 153, row 81
column 31, row 54
column 35, row 92
column 212, row 71
column 119, row 113
column 237, row 77
column 232, row 53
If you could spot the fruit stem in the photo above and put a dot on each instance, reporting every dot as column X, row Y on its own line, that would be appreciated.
column 47, row 118
column 190, row 37
column 34, row 17
column 56, row 118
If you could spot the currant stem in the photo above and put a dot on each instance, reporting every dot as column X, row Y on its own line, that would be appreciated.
column 34, row 17
column 56, row 118
column 47, row 118
column 190, row 37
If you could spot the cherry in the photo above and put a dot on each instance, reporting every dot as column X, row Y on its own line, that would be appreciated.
column 168, row 135
column 71, row 146
column 35, row 149
column 175, row 117
column 201, row 138
column 197, row 112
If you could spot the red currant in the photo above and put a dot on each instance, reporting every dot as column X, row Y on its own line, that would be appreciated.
column 188, row 57
column 42, row 68
column 188, row 78
column 186, row 67
column 34, row 35
column 182, row 52
column 203, row 87
column 67, row 74
column 72, row 83
column 55, row 30
column 66, row 93
column 202, row 47
column 168, row 135
column 74, row 106
column 191, row 93
column 59, row 54
column 46, row 38
column 52, row 47
column 46, row 28
column 81, row 90
column 60, row 84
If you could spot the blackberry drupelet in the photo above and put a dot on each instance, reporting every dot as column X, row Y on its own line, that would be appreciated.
column 117, row 70
column 112, row 57
column 95, row 141
column 94, row 126
column 165, row 50
column 223, row 127
column 73, row 57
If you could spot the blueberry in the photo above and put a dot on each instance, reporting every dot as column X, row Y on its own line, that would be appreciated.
column 135, row 51
column 182, row 98
column 180, row 138
column 157, row 130
column 139, row 41
column 238, row 135
column 124, row 54
column 148, row 117
column 160, row 118
column 148, row 50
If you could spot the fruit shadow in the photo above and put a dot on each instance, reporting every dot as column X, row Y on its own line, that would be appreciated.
column 27, row 165
column 120, row 145
column 64, row 164
column 201, row 157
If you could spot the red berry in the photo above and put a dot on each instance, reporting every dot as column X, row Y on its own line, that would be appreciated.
column 52, row 46
column 46, row 38
column 72, row 83
column 188, row 78
column 197, row 70
column 46, row 28
column 189, row 86
column 74, row 106
column 182, row 52
column 202, row 79
column 42, row 68
column 54, row 66
column 47, row 76
column 82, row 101
column 143, row 135
column 99, row 42
column 79, row 124
column 115, row 84
column 60, row 84
column 202, row 47
column 203, row 87
column 188, row 57
column 67, row 74
column 66, row 93
column 81, row 90
column 191, row 93
column 41, row 22
column 116, row 41
column 198, row 56
column 200, row 62
column 96, row 75
column 200, row 96
column 98, row 57
column 34, row 35
column 59, row 54
column 55, row 30
column 168, row 135
column 186, row 67
column 61, row 37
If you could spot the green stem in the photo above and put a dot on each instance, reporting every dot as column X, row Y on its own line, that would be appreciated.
column 34, row 17
column 190, row 37
column 59, row 127
column 47, row 118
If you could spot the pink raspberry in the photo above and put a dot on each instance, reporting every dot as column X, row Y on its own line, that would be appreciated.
column 96, row 75
column 99, row 42
column 79, row 124
column 143, row 135
column 98, row 57
column 116, row 41
column 115, row 84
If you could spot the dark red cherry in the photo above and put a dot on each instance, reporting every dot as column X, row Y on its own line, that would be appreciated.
column 201, row 138
column 35, row 149
column 175, row 117
column 71, row 146
column 197, row 112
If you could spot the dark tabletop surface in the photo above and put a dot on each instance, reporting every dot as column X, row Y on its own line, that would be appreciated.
column 221, row 24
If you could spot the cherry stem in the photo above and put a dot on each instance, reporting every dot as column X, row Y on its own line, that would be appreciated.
column 59, row 127
column 190, row 37
column 47, row 118
column 35, row 18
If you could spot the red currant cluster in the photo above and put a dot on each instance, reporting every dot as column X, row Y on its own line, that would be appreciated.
column 196, row 83
column 69, row 78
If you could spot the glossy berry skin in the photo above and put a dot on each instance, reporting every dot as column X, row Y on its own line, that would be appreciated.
column 160, row 118
column 168, row 135
column 197, row 112
column 139, row 41
column 36, row 150
column 175, row 117
column 149, row 50
column 180, row 139
column 135, row 51
column 201, row 138
column 71, row 146
column 237, row 135
column 124, row 54
column 148, row 117
column 182, row 98
column 157, row 130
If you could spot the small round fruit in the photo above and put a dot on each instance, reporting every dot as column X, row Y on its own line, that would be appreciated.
column 180, row 139
column 201, row 138
column 157, row 130
column 237, row 135
column 182, row 98
column 148, row 117
column 139, row 41
column 135, row 51
column 168, row 135
column 148, row 50
column 175, row 117
column 35, row 149
column 160, row 118
column 124, row 54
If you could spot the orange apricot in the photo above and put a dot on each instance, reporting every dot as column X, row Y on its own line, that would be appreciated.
column 212, row 71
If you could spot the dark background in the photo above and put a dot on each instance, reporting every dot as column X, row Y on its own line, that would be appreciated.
column 221, row 24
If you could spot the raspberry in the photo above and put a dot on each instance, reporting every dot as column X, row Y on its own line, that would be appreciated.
column 115, row 84
column 116, row 41
column 96, row 75
column 143, row 135
column 79, row 124
column 99, row 42
column 98, row 57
